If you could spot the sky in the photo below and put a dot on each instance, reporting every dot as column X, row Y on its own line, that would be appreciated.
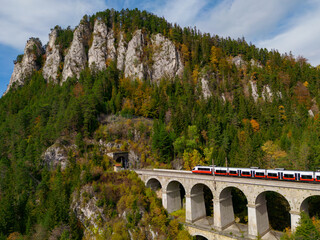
column 284, row 25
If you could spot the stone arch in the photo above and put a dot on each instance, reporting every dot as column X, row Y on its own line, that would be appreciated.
column 201, row 197
column 175, row 193
column 225, row 205
column 264, row 203
column 310, row 205
column 153, row 183
column 198, row 236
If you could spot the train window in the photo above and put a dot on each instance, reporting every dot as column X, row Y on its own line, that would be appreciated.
column 246, row 173
column 272, row 175
column 318, row 177
column 260, row 173
column 288, row 175
column 306, row 176
column 221, row 171
column 233, row 172
column 204, row 169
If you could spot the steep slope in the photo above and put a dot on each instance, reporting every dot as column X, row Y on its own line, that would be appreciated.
column 201, row 98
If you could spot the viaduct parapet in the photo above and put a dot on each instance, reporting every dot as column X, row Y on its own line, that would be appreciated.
column 171, row 181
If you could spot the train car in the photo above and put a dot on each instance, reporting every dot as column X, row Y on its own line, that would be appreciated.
column 306, row 176
column 274, row 174
column 290, row 175
column 234, row 172
column 221, row 171
column 260, row 173
column 246, row 172
column 203, row 170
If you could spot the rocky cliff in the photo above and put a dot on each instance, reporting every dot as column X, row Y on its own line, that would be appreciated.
column 166, row 59
column 98, row 51
column 150, row 58
column 53, row 60
column 29, row 63
column 76, row 58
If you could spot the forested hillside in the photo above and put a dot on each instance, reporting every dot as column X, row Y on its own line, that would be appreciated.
column 232, row 103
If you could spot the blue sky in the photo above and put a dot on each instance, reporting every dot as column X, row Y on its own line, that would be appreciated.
column 286, row 25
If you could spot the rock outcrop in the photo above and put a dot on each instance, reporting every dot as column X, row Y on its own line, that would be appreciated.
column 112, row 53
column 54, row 156
column 76, row 58
column 239, row 62
column 166, row 58
column 27, row 65
column 98, row 51
column 86, row 209
column 134, row 67
column 54, row 58
column 144, row 58
column 121, row 53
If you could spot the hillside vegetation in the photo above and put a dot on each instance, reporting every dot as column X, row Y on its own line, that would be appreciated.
column 260, row 112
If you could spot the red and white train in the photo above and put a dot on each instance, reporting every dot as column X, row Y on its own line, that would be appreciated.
column 254, row 172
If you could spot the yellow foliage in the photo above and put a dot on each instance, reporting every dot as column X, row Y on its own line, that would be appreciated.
column 195, row 74
column 305, row 84
column 282, row 113
column 215, row 55
column 185, row 52
column 273, row 153
column 192, row 159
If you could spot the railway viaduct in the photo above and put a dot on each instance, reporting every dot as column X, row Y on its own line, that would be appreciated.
column 171, row 181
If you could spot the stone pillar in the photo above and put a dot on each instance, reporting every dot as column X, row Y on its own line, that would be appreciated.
column 188, row 209
column 295, row 218
column 173, row 200
column 258, row 222
column 195, row 207
column 223, row 211
column 164, row 199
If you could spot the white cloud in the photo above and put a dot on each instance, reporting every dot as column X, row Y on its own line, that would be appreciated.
column 286, row 25
column 183, row 12
column 302, row 38
column 249, row 18
column 20, row 19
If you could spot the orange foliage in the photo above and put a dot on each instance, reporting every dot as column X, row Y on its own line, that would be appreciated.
column 78, row 90
column 255, row 125
column 302, row 94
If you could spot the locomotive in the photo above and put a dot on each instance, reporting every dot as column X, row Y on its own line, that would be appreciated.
column 254, row 172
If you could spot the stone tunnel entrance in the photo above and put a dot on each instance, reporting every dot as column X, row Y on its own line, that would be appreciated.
column 120, row 158
column 175, row 196
column 232, row 204
column 201, row 211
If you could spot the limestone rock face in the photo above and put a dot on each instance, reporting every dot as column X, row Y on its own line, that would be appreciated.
column 110, row 46
column 76, row 58
column 28, row 64
column 205, row 88
column 166, row 59
column 86, row 210
column 121, row 53
column 55, row 156
column 98, row 51
column 239, row 62
column 51, row 66
column 134, row 67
